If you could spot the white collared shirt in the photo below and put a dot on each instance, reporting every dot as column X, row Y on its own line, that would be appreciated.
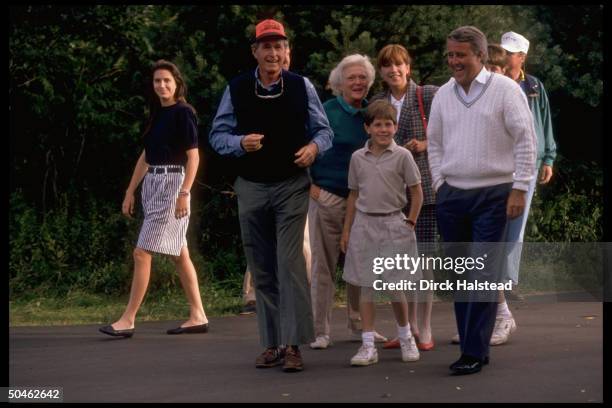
column 476, row 86
column 397, row 104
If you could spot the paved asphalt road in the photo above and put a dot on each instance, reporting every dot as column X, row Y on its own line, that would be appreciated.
column 555, row 356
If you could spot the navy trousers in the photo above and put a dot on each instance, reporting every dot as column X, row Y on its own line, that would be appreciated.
column 475, row 216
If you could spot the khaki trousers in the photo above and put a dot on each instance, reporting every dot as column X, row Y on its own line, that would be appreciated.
column 326, row 220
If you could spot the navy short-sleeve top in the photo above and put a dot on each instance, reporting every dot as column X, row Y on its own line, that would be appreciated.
column 172, row 133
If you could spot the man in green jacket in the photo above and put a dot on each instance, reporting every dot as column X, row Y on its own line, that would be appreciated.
column 516, row 47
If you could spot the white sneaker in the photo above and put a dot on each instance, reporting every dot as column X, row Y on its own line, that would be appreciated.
column 503, row 328
column 455, row 339
column 321, row 342
column 410, row 352
column 365, row 356
column 378, row 338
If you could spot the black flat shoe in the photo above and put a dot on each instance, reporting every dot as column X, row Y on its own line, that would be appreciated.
column 468, row 365
column 200, row 328
column 127, row 333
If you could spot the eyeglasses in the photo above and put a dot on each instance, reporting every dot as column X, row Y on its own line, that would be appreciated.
column 271, row 96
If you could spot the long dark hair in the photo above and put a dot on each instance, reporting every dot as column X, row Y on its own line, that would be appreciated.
column 180, row 93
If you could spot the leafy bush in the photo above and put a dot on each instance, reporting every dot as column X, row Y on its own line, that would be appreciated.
column 570, row 207
column 73, row 245
column 89, row 247
column 219, row 234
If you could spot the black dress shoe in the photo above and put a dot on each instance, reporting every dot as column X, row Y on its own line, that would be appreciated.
column 485, row 361
column 200, row 328
column 468, row 365
column 249, row 308
column 127, row 333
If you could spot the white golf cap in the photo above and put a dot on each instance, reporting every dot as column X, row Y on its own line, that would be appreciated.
column 514, row 42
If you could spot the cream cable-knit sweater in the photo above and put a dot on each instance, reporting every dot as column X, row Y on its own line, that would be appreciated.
column 490, row 141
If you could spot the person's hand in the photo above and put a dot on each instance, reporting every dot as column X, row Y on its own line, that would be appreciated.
column 315, row 191
column 252, row 142
column 306, row 155
column 546, row 173
column 416, row 146
column 344, row 241
column 127, row 208
column 516, row 203
column 182, row 206
column 421, row 146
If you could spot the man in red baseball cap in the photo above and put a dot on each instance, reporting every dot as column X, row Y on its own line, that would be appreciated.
column 272, row 120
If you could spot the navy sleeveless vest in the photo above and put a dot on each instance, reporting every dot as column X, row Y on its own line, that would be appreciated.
column 281, row 120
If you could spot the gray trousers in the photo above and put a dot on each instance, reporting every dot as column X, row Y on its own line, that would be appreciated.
column 248, row 287
column 272, row 218
column 326, row 222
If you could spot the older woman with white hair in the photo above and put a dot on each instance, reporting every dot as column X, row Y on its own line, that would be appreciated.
column 350, row 81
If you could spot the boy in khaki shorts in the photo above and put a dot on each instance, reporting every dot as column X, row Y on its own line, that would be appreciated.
column 375, row 226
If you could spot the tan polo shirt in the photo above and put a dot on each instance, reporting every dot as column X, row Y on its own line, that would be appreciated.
column 381, row 181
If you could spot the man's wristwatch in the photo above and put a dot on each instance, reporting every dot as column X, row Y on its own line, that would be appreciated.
column 411, row 223
column 184, row 193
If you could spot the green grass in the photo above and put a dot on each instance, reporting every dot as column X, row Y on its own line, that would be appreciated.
column 86, row 308
column 79, row 307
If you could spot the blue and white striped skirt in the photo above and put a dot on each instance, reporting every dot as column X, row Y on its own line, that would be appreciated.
column 161, row 231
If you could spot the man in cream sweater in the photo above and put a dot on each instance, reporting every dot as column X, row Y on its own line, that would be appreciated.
column 482, row 154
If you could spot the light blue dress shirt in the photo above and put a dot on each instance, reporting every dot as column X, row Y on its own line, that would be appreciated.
column 225, row 141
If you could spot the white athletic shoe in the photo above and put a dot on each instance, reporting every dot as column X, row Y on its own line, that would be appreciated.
column 365, row 356
column 503, row 328
column 455, row 339
column 410, row 352
column 321, row 342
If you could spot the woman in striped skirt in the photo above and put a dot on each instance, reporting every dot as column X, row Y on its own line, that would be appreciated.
column 168, row 165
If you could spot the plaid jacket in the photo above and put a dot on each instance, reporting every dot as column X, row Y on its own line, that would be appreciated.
column 411, row 126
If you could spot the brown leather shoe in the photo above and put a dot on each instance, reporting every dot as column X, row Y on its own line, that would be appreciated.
column 269, row 358
column 293, row 360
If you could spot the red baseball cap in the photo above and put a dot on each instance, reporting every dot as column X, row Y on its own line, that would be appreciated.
column 269, row 28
